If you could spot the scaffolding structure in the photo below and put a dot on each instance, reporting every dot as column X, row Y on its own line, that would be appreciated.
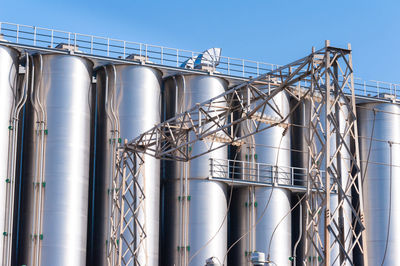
column 324, row 78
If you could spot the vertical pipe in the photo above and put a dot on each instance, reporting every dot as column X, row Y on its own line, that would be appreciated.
column 327, row 155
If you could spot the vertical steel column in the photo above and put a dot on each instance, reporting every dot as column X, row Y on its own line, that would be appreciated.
column 332, row 126
column 127, row 244
column 328, row 112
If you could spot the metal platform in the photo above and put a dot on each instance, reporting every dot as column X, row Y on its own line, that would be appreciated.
column 260, row 175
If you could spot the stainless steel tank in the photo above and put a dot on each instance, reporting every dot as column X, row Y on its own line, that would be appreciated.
column 55, row 175
column 259, row 211
column 301, row 159
column 133, row 94
column 8, row 105
column 379, row 125
column 206, row 226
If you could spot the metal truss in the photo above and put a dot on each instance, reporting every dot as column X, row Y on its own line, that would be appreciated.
column 324, row 78
column 127, row 244
column 332, row 127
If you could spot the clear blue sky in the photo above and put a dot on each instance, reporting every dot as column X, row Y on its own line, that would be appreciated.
column 278, row 31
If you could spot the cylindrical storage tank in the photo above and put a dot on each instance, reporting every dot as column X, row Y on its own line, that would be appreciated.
column 8, row 101
column 302, row 160
column 263, row 210
column 379, row 125
column 206, row 224
column 55, row 175
column 128, row 98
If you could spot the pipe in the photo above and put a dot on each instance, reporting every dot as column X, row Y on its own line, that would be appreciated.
column 12, row 162
column 33, row 102
column 106, row 106
column 300, row 236
column 42, row 161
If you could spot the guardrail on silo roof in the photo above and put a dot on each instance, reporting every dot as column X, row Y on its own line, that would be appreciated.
column 115, row 48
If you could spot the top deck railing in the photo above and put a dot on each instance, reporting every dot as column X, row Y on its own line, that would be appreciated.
column 114, row 48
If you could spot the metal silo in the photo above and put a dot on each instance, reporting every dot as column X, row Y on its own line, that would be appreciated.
column 128, row 104
column 301, row 159
column 259, row 211
column 194, row 224
column 55, row 175
column 379, row 125
column 11, row 103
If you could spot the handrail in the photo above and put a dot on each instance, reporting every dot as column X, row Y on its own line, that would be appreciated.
column 263, row 173
column 116, row 48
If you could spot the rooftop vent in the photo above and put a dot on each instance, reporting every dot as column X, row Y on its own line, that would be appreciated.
column 207, row 60
column 2, row 38
column 189, row 64
column 139, row 58
column 67, row 47
column 387, row 96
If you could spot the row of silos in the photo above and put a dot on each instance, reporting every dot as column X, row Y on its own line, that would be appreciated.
column 59, row 156
column 67, row 140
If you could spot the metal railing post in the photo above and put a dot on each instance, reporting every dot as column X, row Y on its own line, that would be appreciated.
column 124, row 49
column 243, row 67
column 258, row 172
column 34, row 35
column 162, row 55
column 258, row 69
column 365, row 89
column 177, row 58
column 211, row 167
column 229, row 71
column 292, row 176
column 91, row 44
column 108, row 46
column 17, row 33
column 377, row 85
column 243, row 169
column 272, row 175
column 52, row 39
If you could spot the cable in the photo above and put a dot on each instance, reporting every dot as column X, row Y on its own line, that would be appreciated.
column 390, row 205
column 223, row 221
column 283, row 218
column 369, row 149
column 263, row 212
column 300, row 235
column 251, row 228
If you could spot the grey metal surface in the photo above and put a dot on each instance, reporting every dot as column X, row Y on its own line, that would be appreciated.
column 268, row 208
column 208, row 202
column 380, row 170
column 300, row 156
column 137, row 107
column 8, row 92
column 53, row 229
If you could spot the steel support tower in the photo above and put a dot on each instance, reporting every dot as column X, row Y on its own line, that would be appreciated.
column 324, row 78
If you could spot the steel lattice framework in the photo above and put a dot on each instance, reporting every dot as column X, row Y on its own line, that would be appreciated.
column 325, row 79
